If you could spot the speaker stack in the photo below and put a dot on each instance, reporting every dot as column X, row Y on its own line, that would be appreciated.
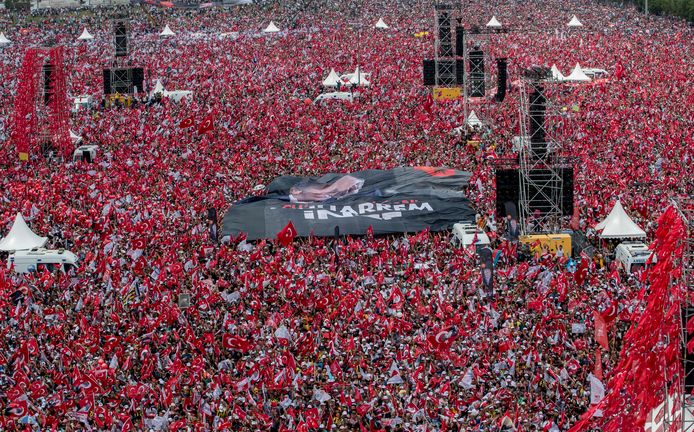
column 501, row 66
column 508, row 191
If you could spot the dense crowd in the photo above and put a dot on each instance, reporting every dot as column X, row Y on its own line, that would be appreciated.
column 385, row 333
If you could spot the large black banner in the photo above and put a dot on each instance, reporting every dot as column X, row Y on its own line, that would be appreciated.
column 389, row 201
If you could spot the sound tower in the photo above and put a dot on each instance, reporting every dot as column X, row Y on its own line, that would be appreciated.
column 120, row 34
column 501, row 79
column 429, row 68
column 138, row 76
column 477, row 73
column 445, row 40
column 508, row 190
column 538, row 144
column 47, row 83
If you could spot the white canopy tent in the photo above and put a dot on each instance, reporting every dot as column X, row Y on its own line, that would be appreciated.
column 358, row 78
column 271, row 28
column 575, row 22
column 556, row 74
column 85, row 35
column 21, row 237
column 158, row 88
column 3, row 39
column 618, row 224
column 381, row 24
column 332, row 80
column 472, row 120
column 494, row 23
column 167, row 31
column 577, row 75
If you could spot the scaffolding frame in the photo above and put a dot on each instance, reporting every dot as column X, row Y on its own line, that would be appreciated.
column 444, row 61
column 540, row 180
column 685, row 398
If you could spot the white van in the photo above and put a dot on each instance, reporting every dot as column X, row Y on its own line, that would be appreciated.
column 633, row 256
column 28, row 261
column 464, row 234
column 341, row 96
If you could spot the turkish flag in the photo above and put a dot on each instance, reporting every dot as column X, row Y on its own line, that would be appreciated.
column 186, row 123
column 207, row 124
column 237, row 343
column 428, row 104
column 286, row 236
column 311, row 416
column 601, row 331
column 598, row 365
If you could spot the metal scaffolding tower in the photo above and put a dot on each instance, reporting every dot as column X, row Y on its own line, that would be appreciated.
column 686, row 208
column 444, row 54
column 540, row 179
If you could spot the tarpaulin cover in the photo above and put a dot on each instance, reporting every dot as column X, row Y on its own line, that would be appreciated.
column 390, row 201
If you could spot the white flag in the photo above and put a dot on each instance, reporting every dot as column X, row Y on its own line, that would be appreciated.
column 597, row 390
column 466, row 382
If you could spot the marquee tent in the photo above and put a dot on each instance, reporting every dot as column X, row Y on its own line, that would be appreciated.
column 271, row 28
column 381, row 24
column 21, row 237
column 556, row 74
column 85, row 35
column 494, row 23
column 358, row 78
column 332, row 80
column 618, row 224
column 167, row 31
column 575, row 22
column 577, row 75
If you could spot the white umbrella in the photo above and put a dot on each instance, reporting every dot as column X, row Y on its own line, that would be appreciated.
column 3, row 39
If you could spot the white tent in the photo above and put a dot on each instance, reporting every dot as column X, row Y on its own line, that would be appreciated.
column 167, row 31
column 158, row 88
column 271, row 28
column 473, row 120
column 575, row 22
column 577, row 75
column 3, row 39
column 359, row 78
column 75, row 138
column 85, row 35
column 618, row 224
column 494, row 23
column 381, row 24
column 556, row 74
column 21, row 237
column 332, row 80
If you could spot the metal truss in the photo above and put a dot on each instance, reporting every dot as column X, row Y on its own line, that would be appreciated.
column 686, row 391
column 540, row 179
column 444, row 54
